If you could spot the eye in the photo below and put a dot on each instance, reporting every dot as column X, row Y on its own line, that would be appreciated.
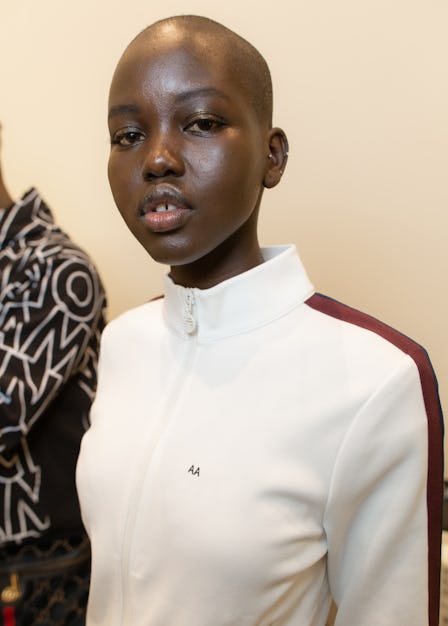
column 204, row 125
column 127, row 138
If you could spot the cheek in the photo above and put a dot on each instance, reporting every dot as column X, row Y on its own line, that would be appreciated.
column 210, row 163
column 122, row 179
column 232, row 169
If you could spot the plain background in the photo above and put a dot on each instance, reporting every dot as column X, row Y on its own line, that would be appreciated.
column 361, row 88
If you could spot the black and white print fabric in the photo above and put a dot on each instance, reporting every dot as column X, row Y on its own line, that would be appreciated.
column 51, row 314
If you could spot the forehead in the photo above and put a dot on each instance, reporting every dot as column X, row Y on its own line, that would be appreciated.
column 173, row 64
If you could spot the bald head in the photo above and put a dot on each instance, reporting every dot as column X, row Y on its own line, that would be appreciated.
column 246, row 64
column 193, row 148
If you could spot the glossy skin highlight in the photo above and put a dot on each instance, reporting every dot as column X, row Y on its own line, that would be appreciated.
column 184, row 135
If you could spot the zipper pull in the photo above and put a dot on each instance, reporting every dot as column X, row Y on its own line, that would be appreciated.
column 189, row 320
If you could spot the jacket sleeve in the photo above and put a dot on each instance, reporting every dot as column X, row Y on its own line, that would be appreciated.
column 383, row 517
column 48, row 320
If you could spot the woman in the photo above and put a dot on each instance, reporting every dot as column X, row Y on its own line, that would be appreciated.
column 255, row 447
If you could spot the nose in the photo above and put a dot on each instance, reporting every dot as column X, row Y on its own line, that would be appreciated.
column 163, row 156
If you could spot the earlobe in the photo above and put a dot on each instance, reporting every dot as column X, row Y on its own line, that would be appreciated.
column 277, row 157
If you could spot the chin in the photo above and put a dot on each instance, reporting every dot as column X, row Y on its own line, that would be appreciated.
column 169, row 253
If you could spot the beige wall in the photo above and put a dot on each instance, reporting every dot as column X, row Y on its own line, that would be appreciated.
column 362, row 91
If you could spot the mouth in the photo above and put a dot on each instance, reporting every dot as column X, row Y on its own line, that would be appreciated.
column 164, row 209
column 162, row 199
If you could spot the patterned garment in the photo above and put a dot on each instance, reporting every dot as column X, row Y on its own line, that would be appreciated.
column 45, row 582
column 51, row 315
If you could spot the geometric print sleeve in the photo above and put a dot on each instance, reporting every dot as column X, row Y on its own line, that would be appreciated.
column 49, row 317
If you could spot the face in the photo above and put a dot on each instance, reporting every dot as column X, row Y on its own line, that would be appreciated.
column 188, row 159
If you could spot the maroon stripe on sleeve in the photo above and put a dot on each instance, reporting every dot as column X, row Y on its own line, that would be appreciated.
column 428, row 380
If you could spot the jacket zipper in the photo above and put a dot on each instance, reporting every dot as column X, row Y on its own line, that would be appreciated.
column 189, row 318
column 190, row 327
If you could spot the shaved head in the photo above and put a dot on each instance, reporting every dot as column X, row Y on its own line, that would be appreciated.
column 193, row 147
column 246, row 64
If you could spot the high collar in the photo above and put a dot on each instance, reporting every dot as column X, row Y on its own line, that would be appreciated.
column 28, row 217
column 242, row 303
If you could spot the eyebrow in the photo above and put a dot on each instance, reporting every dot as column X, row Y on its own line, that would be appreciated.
column 123, row 109
column 201, row 91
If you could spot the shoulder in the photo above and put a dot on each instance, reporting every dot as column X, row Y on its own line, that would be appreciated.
column 44, row 242
column 138, row 325
column 371, row 356
column 364, row 334
column 69, row 279
column 70, row 271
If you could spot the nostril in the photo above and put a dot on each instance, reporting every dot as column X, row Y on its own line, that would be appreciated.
column 150, row 174
column 162, row 163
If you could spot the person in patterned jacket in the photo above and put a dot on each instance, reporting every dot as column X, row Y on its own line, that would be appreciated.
column 51, row 315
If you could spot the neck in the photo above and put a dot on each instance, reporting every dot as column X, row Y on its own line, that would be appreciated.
column 217, row 266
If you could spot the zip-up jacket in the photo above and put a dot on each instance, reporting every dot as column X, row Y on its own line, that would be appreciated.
column 255, row 449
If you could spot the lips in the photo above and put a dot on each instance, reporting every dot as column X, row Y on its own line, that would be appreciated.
column 164, row 209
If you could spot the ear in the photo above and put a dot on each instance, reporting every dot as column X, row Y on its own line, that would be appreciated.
column 277, row 157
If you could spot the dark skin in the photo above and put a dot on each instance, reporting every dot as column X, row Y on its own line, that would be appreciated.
column 185, row 137
column 5, row 198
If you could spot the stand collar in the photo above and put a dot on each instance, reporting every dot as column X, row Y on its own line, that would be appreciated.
column 242, row 303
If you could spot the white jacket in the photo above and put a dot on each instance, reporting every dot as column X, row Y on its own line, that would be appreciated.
column 255, row 448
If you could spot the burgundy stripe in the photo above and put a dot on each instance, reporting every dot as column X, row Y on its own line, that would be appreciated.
column 435, row 430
